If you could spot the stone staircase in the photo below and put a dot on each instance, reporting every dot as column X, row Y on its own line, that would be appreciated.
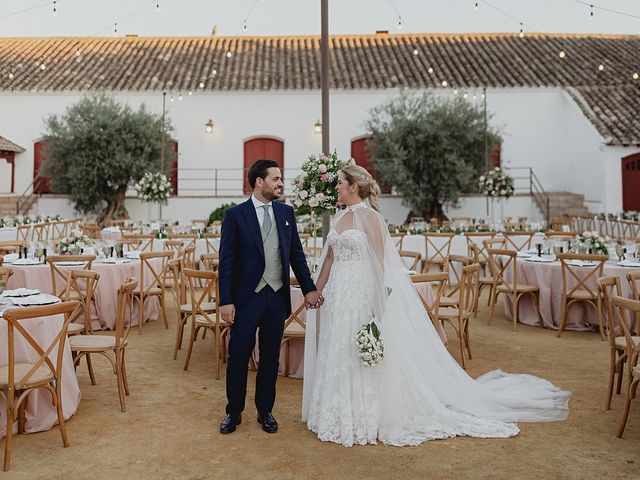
column 8, row 205
column 566, row 203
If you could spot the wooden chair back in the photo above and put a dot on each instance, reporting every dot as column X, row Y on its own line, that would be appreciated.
column 187, row 239
column 609, row 287
column 634, row 283
column 173, row 246
column 156, row 274
column 199, row 298
column 412, row 257
column 81, row 285
column 561, row 235
column 500, row 261
column 189, row 256
column 453, row 268
column 125, row 299
column 210, row 261
column 179, row 286
column 437, row 247
column 23, row 233
column 130, row 245
column 57, row 230
column 10, row 247
column 575, row 272
column 146, row 241
column 39, row 233
column 440, row 279
column 213, row 242
column 59, row 275
column 467, row 296
column 518, row 240
column 398, row 239
column 628, row 308
column 5, row 274
column 478, row 238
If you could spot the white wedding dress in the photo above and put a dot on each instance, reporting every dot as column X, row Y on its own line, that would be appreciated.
column 418, row 392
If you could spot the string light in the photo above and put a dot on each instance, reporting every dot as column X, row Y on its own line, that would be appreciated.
column 444, row 83
column 157, row 6
column 201, row 85
column 591, row 16
column 521, row 34
column 416, row 52
column 561, row 54
column 43, row 66
column 601, row 67
column 214, row 72
column 190, row 92
column 430, row 70
column 465, row 95
column 399, row 22
column 635, row 75
column 229, row 54
column 55, row 10
column 11, row 75
column 179, row 96
column 476, row 7
column 115, row 29
column 171, row 98
column 244, row 25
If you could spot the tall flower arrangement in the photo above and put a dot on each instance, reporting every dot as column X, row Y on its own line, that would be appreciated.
column 496, row 183
column 594, row 241
column 314, row 190
column 154, row 187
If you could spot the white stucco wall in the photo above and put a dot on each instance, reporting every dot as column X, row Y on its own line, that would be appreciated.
column 542, row 128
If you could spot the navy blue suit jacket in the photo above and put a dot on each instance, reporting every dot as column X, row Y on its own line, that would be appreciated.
column 241, row 263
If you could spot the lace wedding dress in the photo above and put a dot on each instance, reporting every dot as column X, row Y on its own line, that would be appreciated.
column 418, row 392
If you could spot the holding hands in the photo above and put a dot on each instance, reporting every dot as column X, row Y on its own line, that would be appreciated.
column 313, row 300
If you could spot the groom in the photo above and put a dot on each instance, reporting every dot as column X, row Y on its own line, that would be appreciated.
column 259, row 243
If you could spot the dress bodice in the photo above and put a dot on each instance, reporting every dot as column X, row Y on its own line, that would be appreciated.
column 348, row 246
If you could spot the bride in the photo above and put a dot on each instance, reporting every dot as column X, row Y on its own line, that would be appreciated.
column 418, row 392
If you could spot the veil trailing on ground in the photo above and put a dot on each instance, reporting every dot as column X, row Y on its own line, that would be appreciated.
column 423, row 393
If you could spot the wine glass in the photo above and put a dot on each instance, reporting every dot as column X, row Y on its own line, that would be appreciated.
column 620, row 251
column 557, row 249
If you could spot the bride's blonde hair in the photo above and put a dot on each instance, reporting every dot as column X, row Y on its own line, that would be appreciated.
column 368, row 188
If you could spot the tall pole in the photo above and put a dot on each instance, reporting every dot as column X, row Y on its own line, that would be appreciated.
column 486, row 137
column 324, row 66
column 162, row 142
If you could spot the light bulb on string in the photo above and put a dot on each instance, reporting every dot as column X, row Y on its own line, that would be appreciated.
column 521, row 34
column 635, row 76
column 601, row 67
column 201, row 85
column 430, row 70
column 43, row 66
column 179, row 96
column 115, row 29
column 444, row 83
column 157, row 6
column 591, row 15
column 11, row 75
column 171, row 98
column 475, row 7
column 77, row 52
column 399, row 22
column 562, row 54
column 55, row 10
column 214, row 72
column 244, row 26
column 190, row 92
column 229, row 54
column 465, row 95
column 416, row 52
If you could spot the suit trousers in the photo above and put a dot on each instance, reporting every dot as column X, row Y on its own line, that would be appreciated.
column 265, row 313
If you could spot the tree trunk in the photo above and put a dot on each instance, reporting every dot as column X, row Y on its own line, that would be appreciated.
column 114, row 209
column 436, row 211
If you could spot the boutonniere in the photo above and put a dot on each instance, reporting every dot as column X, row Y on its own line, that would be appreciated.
column 286, row 223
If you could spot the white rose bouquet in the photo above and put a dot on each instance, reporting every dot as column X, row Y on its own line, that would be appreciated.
column 370, row 345
column 314, row 189
column 594, row 241
column 76, row 241
column 154, row 187
column 496, row 183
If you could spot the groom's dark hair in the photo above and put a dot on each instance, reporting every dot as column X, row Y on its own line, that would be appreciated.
column 259, row 169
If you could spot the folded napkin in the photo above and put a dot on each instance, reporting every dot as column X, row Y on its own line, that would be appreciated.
column 580, row 263
column 26, row 261
column 536, row 258
column 133, row 254
column 19, row 292
column 629, row 263
column 10, row 257
column 524, row 254
column 111, row 229
column 115, row 261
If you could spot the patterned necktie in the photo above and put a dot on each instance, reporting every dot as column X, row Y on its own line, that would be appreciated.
column 266, row 223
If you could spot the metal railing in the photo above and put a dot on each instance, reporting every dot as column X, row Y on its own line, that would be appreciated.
column 28, row 197
column 526, row 181
column 221, row 181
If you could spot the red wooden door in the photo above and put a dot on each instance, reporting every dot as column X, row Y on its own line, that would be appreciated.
column 261, row 149
column 173, row 171
column 42, row 184
column 631, row 182
column 361, row 154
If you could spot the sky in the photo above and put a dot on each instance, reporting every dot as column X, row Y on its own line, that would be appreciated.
column 300, row 17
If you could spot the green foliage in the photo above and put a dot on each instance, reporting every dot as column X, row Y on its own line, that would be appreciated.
column 218, row 213
column 98, row 147
column 431, row 149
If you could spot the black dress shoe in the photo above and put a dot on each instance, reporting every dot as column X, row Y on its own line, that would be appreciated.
column 230, row 423
column 268, row 423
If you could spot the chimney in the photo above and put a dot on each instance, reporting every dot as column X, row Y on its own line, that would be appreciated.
column 214, row 31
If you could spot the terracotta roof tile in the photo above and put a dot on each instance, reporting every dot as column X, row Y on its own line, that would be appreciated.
column 356, row 62
column 9, row 146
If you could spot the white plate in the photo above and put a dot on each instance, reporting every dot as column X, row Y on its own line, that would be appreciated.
column 135, row 255
column 10, row 258
column 19, row 292
column 70, row 263
column 26, row 261
column 40, row 299
column 629, row 263
column 537, row 259
column 116, row 261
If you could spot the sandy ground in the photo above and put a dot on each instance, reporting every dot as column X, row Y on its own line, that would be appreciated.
column 170, row 429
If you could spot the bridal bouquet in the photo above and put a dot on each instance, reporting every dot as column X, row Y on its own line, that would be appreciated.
column 496, row 183
column 154, row 187
column 594, row 241
column 314, row 190
column 370, row 345
column 74, row 243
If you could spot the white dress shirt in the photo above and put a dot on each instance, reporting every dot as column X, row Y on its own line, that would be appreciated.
column 260, row 211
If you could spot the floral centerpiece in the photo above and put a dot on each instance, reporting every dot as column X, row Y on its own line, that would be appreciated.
column 314, row 190
column 75, row 241
column 594, row 241
column 496, row 183
column 154, row 187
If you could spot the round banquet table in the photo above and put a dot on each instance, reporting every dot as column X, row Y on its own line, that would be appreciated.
column 295, row 351
column 40, row 414
column 104, row 307
column 548, row 278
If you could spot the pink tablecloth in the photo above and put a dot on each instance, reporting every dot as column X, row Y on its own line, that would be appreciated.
column 40, row 413
column 295, row 350
column 548, row 278
column 106, row 295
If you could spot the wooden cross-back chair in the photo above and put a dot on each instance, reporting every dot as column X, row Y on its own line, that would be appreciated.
column 398, row 239
column 413, row 259
column 10, row 247
column 478, row 238
column 130, row 245
column 39, row 232
column 187, row 239
column 152, row 281
column 174, row 246
column 629, row 308
column 91, row 230
column 145, row 241
column 5, row 274
column 295, row 328
column 484, row 281
column 609, row 287
column 634, row 283
column 210, row 261
column 112, row 347
column 57, row 230
column 81, row 285
column 212, row 241
column 561, row 235
column 458, row 317
column 432, row 308
column 23, row 233
column 437, row 248
column 582, row 291
column 19, row 378
column 503, row 264
column 453, row 269
column 202, row 317
column 60, row 273
column 518, row 240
